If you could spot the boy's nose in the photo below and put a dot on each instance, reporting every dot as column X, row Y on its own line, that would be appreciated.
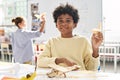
column 63, row 23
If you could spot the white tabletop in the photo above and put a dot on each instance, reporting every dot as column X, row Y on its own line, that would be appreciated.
column 23, row 69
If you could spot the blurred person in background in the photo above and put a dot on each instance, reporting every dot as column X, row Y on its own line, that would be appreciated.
column 3, row 37
column 21, row 40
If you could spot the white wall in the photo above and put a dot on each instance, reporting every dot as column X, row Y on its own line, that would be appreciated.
column 90, row 12
column 111, row 14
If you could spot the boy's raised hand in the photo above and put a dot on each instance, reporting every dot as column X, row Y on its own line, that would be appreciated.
column 97, row 38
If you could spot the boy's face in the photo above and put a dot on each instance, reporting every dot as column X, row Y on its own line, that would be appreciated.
column 65, row 24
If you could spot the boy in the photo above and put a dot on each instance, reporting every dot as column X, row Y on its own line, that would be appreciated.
column 69, row 49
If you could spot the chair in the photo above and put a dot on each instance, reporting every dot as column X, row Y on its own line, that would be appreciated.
column 6, row 52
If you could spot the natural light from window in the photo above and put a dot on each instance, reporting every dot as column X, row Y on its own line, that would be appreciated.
column 0, row 1
column 1, row 16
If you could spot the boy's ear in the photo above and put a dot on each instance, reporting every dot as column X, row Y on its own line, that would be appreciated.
column 56, row 25
column 75, row 25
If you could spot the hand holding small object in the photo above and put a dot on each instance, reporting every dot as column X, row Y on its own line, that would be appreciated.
column 42, row 21
column 97, row 39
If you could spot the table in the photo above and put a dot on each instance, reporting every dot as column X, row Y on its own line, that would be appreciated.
column 23, row 69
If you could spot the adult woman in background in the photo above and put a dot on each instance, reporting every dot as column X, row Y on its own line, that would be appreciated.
column 21, row 40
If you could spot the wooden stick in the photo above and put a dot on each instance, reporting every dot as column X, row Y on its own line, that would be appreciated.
column 35, row 63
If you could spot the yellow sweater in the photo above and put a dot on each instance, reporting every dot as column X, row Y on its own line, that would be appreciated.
column 76, row 49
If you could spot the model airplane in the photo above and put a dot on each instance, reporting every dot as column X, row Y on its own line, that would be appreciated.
column 59, row 71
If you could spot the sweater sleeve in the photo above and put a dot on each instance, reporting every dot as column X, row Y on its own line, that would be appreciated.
column 90, row 62
column 45, row 57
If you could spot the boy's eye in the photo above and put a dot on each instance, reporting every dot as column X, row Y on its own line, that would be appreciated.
column 60, row 21
column 67, row 21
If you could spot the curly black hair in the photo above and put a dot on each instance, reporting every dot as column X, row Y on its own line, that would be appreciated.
column 66, row 9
